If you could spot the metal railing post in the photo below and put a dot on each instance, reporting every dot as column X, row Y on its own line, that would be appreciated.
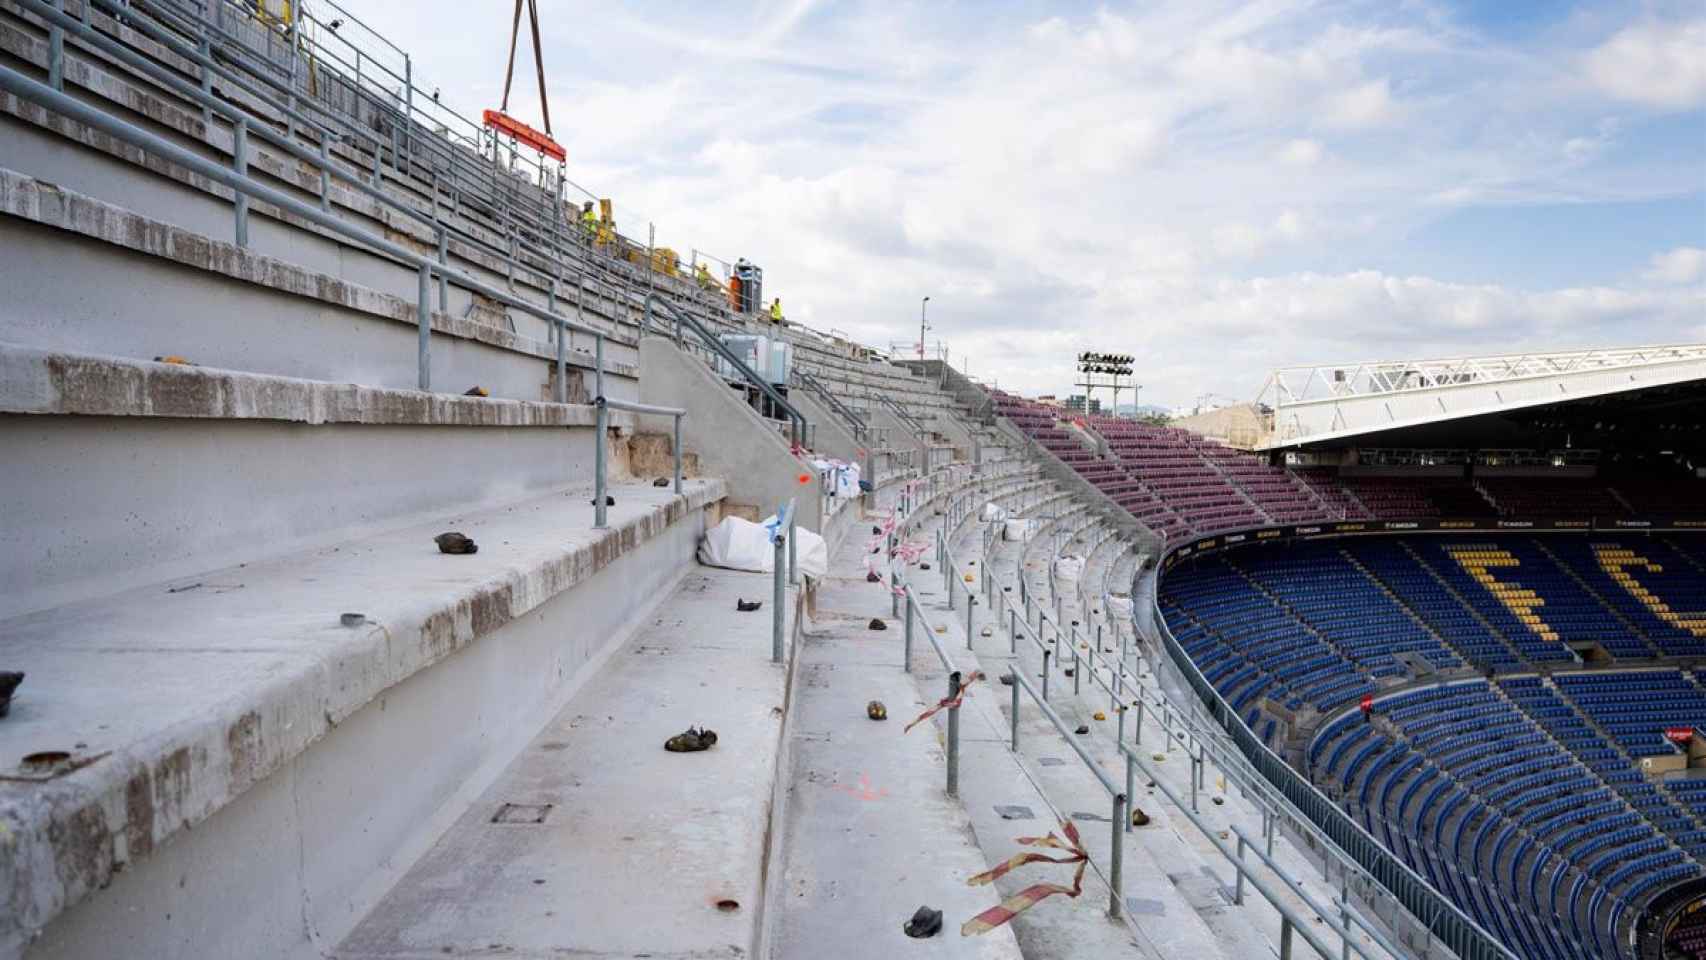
column 240, row 164
column 1285, row 938
column 56, row 51
column 1076, row 673
column 907, row 665
column 1238, row 883
column 1116, row 856
column 677, row 433
column 326, row 183
column 444, row 283
column 1013, row 721
column 423, row 346
column 1012, row 630
column 1130, row 778
column 793, row 557
column 779, row 590
column 954, row 736
column 971, row 601
column 600, row 515
column 1045, row 674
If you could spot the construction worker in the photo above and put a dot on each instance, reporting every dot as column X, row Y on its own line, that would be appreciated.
column 776, row 310
column 589, row 221
column 704, row 277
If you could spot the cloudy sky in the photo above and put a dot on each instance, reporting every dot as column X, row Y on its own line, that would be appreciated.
column 1217, row 188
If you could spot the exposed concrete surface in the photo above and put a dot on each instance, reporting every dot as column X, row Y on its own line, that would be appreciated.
column 762, row 471
column 870, row 834
column 290, row 313
column 831, row 438
column 129, row 472
column 180, row 702
column 639, row 845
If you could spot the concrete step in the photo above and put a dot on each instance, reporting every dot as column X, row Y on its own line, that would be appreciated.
column 596, row 841
column 250, row 309
column 241, row 765
column 129, row 471
column 869, row 834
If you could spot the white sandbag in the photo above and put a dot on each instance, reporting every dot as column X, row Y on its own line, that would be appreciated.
column 737, row 545
column 1119, row 606
column 846, row 481
column 1019, row 529
column 811, row 553
column 1069, row 568
column 994, row 512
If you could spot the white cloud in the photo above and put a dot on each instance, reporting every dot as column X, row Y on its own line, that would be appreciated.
column 1300, row 153
column 1654, row 63
column 1682, row 265
column 1365, row 105
column 1152, row 178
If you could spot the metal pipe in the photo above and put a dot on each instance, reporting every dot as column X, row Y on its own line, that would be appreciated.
column 240, row 166
column 907, row 665
column 600, row 515
column 954, row 736
column 1116, row 856
column 677, row 446
column 779, row 589
column 423, row 346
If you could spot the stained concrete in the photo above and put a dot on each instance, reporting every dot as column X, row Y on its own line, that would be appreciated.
column 179, row 698
column 636, row 852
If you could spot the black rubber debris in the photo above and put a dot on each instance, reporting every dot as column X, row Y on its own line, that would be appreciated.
column 926, row 922
column 1139, row 818
column 1007, row 679
column 924, row 566
column 454, row 542
column 876, row 710
column 662, row 482
column 691, row 740
column 1083, row 728
column 877, row 531
column 747, row 606
column 8, row 682
column 872, row 577
column 878, row 624
column 609, row 501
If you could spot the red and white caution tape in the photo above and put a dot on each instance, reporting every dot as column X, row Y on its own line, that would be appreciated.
column 1036, row 893
column 945, row 702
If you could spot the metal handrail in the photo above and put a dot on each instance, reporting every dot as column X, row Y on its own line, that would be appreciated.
column 830, row 400
column 798, row 426
column 245, row 186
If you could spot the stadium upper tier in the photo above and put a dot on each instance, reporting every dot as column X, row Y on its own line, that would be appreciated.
column 1181, row 484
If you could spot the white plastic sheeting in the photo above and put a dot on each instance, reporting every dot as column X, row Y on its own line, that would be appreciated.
column 1069, row 568
column 743, row 545
column 1019, row 529
column 1119, row 605
column 994, row 512
column 839, row 477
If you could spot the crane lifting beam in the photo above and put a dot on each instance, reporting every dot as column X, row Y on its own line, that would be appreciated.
column 522, row 133
column 499, row 120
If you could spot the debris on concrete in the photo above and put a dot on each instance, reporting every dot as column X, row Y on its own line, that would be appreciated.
column 876, row 711
column 1098, row 715
column 1069, row 671
column 988, row 632
column 352, row 619
column 609, row 501
column 454, row 542
column 663, row 481
column 876, row 531
column 1083, row 728
column 924, row 924
column 1007, row 679
column 174, row 359
column 476, row 391
column 924, row 566
column 1139, row 818
column 8, row 682
column 691, row 740
column 878, row 624
column 1217, row 801
column 872, row 577
column 747, row 606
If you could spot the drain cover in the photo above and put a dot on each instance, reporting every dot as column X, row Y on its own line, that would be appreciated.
column 1051, row 761
column 1015, row 812
column 522, row 813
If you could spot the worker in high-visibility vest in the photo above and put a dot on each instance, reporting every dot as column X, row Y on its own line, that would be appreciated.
column 704, row 277
column 776, row 310
column 589, row 221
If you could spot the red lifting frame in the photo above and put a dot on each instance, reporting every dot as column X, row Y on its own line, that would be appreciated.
column 522, row 133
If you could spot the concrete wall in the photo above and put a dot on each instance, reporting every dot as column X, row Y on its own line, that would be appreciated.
column 832, row 439
column 78, row 269
column 1240, row 425
column 291, row 865
column 730, row 438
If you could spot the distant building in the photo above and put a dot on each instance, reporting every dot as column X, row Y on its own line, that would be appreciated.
column 1240, row 424
column 1075, row 403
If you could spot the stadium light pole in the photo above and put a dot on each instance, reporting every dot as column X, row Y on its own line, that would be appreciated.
column 922, row 326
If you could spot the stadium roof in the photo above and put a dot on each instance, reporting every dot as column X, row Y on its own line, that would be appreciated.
column 1476, row 401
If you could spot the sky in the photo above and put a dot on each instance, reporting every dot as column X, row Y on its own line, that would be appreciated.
column 1216, row 188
